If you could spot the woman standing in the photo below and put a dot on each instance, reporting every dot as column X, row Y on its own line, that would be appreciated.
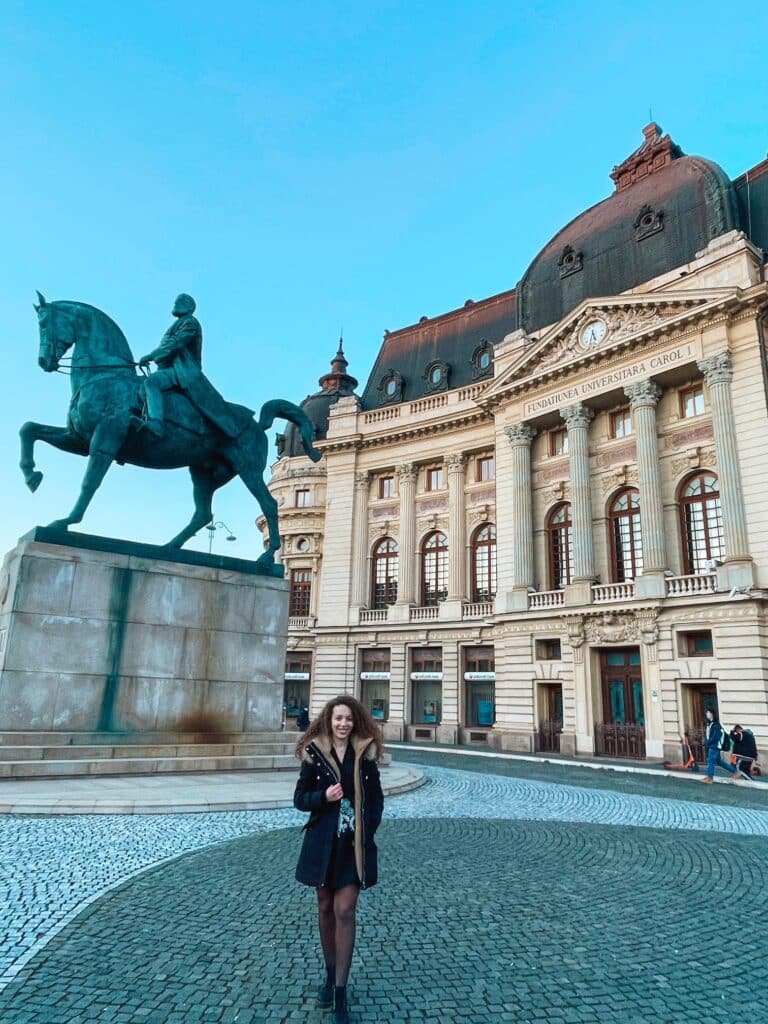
column 339, row 786
column 715, row 740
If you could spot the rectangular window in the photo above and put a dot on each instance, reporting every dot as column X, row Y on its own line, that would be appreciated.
column 696, row 643
column 301, row 590
column 298, row 674
column 621, row 422
column 426, row 693
column 427, row 659
column 558, row 442
column 302, row 497
column 374, row 678
column 692, row 401
column 486, row 467
column 386, row 487
column 548, row 649
column 479, row 686
column 434, row 478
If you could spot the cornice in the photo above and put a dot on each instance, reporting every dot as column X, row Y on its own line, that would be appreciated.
column 359, row 442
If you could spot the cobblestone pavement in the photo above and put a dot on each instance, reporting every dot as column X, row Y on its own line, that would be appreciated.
column 502, row 899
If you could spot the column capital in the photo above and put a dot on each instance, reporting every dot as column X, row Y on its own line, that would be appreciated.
column 520, row 434
column 406, row 472
column 643, row 392
column 717, row 369
column 362, row 480
column 455, row 462
column 577, row 415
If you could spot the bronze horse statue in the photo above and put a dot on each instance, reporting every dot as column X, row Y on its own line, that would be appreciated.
column 103, row 424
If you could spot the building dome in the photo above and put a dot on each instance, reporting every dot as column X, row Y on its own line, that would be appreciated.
column 333, row 386
column 666, row 208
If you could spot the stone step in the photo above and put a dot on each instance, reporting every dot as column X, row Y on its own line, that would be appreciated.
column 51, row 739
column 74, row 753
column 42, row 769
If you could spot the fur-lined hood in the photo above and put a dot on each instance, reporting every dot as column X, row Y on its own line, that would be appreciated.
column 363, row 747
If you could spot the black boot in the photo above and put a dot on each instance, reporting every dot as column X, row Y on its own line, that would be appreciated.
column 340, row 1014
column 325, row 992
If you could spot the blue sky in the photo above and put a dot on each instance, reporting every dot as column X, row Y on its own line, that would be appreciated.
column 303, row 167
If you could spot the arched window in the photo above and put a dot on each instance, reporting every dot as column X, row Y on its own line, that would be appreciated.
column 626, row 539
column 384, row 574
column 434, row 569
column 559, row 532
column 701, row 520
column 484, row 563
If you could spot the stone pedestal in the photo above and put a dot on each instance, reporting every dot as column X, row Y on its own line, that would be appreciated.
column 101, row 635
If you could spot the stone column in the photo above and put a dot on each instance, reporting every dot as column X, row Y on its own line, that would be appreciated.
column 718, row 373
column 520, row 436
column 360, row 583
column 643, row 399
column 577, row 419
column 406, row 577
column 457, row 586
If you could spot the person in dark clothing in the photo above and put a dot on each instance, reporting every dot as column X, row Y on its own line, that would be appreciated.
column 339, row 787
column 744, row 746
column 715, row 739
column 302, row 720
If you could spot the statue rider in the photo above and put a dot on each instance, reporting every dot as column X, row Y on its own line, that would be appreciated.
column 179, row 361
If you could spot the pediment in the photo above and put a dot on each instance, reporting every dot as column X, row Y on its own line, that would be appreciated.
column 598, row 327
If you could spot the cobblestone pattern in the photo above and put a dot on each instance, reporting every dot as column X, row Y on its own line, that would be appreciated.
column 50, row 869
column 477, row 920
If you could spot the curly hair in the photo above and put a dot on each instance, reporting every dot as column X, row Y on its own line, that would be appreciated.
column 362, row 724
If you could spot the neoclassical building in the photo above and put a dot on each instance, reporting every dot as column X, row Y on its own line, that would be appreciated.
column 541, row 525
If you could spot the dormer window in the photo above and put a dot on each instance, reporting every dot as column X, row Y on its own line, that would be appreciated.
column 436, row 376
column 482, row 361
column 391, row 387
column 571, row 261
column 648, row 222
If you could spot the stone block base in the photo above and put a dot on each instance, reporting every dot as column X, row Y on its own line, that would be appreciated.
column 514, row 742
column 568, row 744
column 110, row 636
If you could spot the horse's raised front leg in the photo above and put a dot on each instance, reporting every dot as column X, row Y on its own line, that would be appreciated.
column 105, row 444
column 59, row 437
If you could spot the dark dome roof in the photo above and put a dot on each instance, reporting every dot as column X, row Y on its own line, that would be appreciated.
column 666, row 207
column 333, row 386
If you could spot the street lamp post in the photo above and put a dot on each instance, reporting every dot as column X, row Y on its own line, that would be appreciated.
column 213, row 527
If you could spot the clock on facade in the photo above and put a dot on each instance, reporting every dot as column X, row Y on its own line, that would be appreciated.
column 592, row 333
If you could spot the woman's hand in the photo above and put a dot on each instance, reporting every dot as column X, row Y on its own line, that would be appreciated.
column 334, row 793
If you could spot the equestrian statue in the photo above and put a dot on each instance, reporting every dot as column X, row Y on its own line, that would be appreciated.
column 170, row 418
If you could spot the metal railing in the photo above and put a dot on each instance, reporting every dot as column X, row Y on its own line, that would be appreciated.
column 617, row 739
column 548, row 736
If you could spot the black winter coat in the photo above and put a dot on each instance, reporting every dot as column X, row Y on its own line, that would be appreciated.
column 318, row 772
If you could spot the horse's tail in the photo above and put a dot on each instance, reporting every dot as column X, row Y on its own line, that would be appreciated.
column 288, row 411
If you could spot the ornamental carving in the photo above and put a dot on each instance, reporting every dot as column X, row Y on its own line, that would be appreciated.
column 697, row 458
column 483, row 514
column 643, row 392
column 621, row 477
column 385, row 511
column 486, row 494
column 610, row 628
column 406, row 473
column 362, row 481
column 626, row 453
column 717, row 369
column 685, row 437
column 621, row 323
column 431, row 505
column 455, row 462
column 385, row 529
column 520, row 434
column 560, row 492
column 577, row 416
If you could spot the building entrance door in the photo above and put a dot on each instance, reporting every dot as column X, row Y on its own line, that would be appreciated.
column 550, row 717
column 622, row 730
column 700, row 697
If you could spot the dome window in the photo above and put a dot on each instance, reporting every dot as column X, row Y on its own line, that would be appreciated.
column 482, row 361
column 436, row 375
column 391, row 388
column 648, row 222
column 571, row 261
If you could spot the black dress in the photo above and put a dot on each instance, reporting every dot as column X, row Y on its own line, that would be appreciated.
column 342, row 869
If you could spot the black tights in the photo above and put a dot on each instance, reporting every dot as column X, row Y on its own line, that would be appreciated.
column 336, row 915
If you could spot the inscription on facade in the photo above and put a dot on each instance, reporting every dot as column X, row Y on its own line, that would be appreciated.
column 612, row 378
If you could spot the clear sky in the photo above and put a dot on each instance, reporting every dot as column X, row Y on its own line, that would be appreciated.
column 303, row 167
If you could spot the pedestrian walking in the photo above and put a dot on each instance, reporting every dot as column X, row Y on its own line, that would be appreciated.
column 302, row 719
column 744, row 748
column 715, row 740
column 339, row 787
